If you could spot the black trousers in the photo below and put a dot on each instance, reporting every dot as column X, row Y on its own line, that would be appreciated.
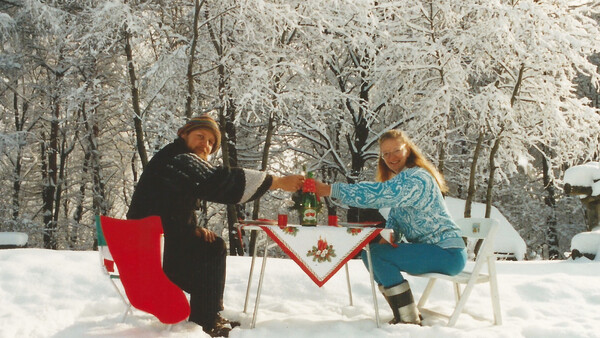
column 198, row 268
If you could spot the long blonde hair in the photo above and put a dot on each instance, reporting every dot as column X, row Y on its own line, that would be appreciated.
column 415, row 158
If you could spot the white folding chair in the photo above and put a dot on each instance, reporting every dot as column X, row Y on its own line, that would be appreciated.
column 474, row 228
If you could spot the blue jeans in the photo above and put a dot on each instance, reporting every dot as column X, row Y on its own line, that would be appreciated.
column 415, row 259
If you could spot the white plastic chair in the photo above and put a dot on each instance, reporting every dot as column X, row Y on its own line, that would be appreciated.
column 474, row 228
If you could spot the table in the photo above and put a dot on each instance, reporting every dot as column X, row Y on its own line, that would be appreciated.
column 319, row 251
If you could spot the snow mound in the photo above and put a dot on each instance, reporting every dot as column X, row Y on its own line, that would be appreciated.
column 585, row 175
column 587, row 242
column 13, row 238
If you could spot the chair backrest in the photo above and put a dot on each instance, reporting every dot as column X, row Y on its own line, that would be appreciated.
column 135, row 246
column 480, row 228
column 99, row 232
column 106, row 259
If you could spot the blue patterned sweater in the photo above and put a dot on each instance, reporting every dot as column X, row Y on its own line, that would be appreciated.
column 417, row 208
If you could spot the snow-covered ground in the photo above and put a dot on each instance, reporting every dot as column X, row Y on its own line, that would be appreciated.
column 45, row 293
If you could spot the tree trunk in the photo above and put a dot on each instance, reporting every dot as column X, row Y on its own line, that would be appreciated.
column 92, row 161
column 263, row 167
column 284, row 39
column 99, row 201
column 78, row 214
column 19, row 118
column 361, row 131
column 49, row 176
column 442, row 157
column 135, row 101
column 517, row 87
column 230, row 160
column 190, row 67
column 472, row 177
column 490, row 186
column 228, row 138
column 550, row 201
column 47, row 192
column 64, row 154
column 357, row 143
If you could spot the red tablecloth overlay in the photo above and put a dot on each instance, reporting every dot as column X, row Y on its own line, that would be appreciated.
column 322, row 250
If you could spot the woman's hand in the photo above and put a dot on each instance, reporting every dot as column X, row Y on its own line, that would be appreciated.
column 323, row 189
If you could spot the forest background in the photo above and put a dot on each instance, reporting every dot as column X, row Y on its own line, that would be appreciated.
column 502, row 95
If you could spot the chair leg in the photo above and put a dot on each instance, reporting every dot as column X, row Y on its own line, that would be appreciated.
column 494, row 292
column 349, row 286
column 426, row 293
column 123, row 299
column 126, row 313
column 461, row 303
column 371, row 277
column 456, row 292
column 260, row 282
column 250, row 277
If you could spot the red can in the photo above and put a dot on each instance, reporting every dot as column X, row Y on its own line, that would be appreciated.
column 282, row 220
column 332, row 220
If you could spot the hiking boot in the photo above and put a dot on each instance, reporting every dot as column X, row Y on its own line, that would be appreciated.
column 218, row 331
column 221, row 327
column 226, row 322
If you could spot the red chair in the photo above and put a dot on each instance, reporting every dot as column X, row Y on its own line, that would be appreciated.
column 108, row 267
column 135, row 246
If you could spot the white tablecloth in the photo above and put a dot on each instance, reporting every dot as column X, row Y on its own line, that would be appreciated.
column 322, row 250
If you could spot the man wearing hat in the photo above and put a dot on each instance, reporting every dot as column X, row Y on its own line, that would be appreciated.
column 173, row 184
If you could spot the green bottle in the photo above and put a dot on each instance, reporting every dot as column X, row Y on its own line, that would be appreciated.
column 310, row 204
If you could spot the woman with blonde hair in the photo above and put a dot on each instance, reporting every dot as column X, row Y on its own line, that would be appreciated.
column 426, row 237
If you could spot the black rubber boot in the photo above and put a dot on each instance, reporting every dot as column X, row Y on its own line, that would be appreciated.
column 387, row 299
column 401, row 300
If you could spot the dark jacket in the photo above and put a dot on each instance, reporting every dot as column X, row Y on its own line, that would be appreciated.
column 172, row 186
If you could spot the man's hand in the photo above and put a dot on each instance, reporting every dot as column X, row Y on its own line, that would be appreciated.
column 289, row 183
column 206, row 234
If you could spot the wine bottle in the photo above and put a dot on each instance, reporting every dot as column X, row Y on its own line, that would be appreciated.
column 310, row 204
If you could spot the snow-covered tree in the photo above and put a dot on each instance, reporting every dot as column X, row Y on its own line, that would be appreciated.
column 488, row 89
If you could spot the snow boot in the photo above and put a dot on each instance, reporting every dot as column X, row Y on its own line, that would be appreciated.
column 387, row 299
column 401, row 300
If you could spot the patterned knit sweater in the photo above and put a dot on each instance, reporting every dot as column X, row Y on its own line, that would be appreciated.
column 418, row 211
